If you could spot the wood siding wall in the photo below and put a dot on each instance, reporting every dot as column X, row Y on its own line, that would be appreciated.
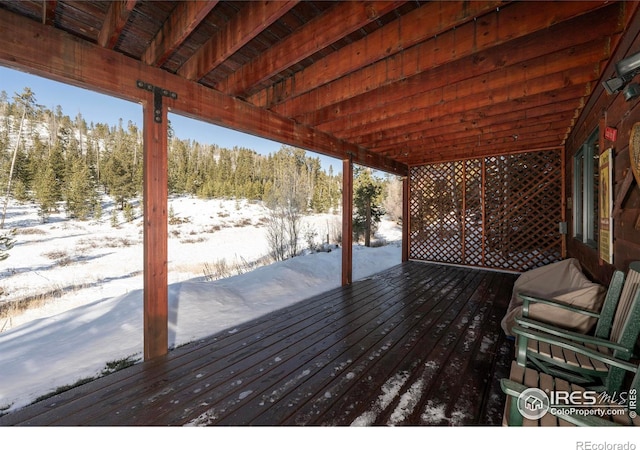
column 603, row 111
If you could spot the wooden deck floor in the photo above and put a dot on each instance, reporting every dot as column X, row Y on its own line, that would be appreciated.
column 419, row 344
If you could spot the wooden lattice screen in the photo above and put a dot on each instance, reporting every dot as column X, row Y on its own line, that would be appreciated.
column 500, row 212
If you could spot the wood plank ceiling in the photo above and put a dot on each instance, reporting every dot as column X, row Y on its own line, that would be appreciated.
column 402, row 82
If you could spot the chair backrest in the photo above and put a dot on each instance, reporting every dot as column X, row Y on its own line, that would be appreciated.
column 603, row 328
column 627, row 297
column 627, row 339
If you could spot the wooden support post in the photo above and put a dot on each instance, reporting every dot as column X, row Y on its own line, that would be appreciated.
column 483, row 197
column 406, row 198
column 563, row 202
column 347, row 222
column 463, row 213
column 155, row 228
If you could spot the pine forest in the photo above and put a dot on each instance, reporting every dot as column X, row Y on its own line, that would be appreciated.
column 62, row 160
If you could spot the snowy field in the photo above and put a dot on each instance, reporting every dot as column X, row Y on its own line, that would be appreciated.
column 87, row 280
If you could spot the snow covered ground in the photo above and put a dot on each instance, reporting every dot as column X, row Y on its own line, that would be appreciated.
column 92, row 273
column 89, row 276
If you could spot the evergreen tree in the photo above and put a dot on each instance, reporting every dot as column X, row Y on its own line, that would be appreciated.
column 38, row 155
column 20, row 191
column 79, row 190
column 22, row 178
column 114, row 218
column 97, row 208
column 75, row 159
column 129, row 213
column 27, row 101
column 101, row 136
column 366, row 201
column 119, row 176
column 57, row 164
column 45, row 190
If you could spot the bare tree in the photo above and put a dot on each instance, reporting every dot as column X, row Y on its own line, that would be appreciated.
column 277, row 234
column 287, row 200
column 392, row 202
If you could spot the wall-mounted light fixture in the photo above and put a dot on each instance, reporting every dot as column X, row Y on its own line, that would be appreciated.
column 626, row 70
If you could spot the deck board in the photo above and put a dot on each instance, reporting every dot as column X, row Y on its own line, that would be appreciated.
column 418, row 344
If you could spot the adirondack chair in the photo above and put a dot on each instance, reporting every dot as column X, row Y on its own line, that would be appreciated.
column 566, row 354
column 623, row 404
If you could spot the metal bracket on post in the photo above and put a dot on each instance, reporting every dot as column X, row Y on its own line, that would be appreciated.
column 158, row 93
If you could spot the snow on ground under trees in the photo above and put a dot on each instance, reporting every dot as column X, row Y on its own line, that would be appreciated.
column 84, row 282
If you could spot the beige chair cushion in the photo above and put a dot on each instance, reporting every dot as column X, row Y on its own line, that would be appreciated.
column 562, row 281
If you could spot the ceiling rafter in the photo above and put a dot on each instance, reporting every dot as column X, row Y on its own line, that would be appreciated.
column 338, row 22
column 391, row 82
column 180, row 24
column 115, row 21
column 466, row 40
column 50, row 52
column 542, row 101
column 443, row 86
column 429, row 20
column 49, row 12
column 254, row 18
column 515, row 120
column 480, row 128
column 445, row 102
column 552, row 52
column 484, row 139
column 456, row 153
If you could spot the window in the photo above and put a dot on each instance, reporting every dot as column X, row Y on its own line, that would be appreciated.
column 585, row 191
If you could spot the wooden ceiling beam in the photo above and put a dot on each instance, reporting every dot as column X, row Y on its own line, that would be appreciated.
column 117, row 17
column 252, row 20
column 431, row 19
column 565, row 110
column 546, row 101
column 403, row 97
column 183, row 20
column 442, row 103
column 549, row 51
column 516, row 20
column 559, row 132
column 433, row 154
column 52, row 53
column 504, row 147
column 557, row 112
column 336, row 23
column 465, row 130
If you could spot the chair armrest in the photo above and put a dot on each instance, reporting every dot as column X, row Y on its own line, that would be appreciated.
column 512, row 388
column 527, row 299
column 567, row 334
column 566, row 340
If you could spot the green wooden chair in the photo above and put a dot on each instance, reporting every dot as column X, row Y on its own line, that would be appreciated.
column 568, row 355
column 618, row 408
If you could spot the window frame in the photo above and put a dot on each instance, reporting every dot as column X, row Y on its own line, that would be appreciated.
column 585, row 210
